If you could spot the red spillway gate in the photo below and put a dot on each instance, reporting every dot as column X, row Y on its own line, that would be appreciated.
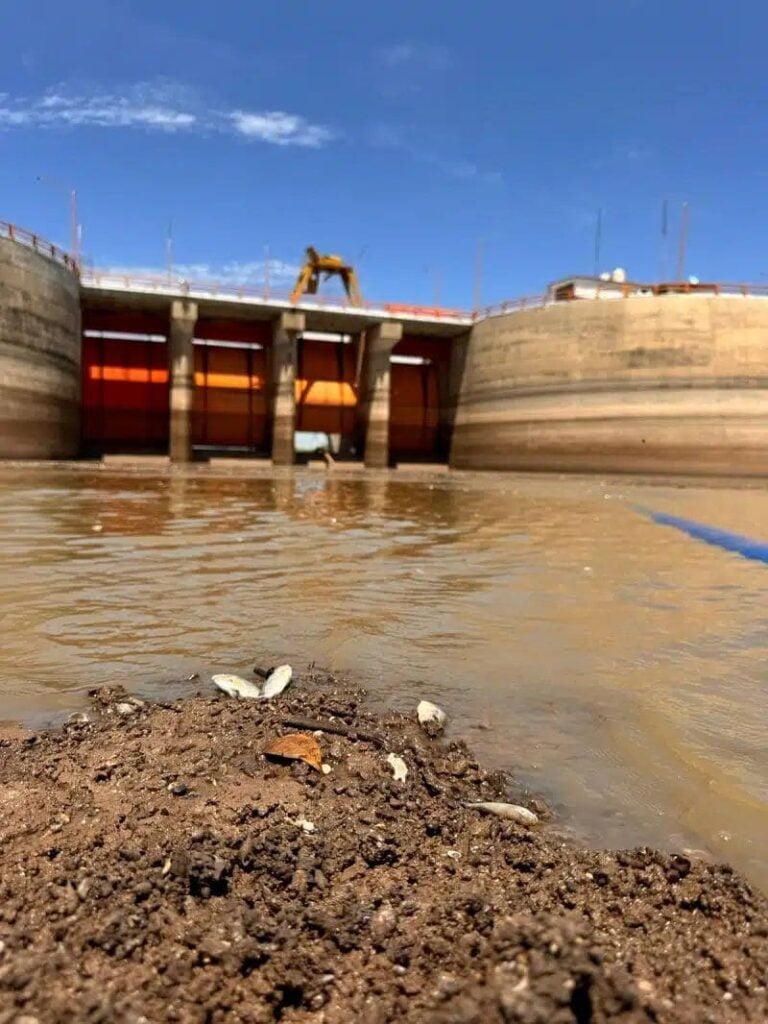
column 125, row 392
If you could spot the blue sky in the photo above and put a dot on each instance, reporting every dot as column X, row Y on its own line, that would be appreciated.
column 404, row 136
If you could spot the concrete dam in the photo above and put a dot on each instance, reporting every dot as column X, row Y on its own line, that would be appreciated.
column 657, row 379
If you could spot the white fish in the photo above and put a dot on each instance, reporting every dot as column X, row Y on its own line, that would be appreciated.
column 512, row 811
column 236, row 686
column 277, row 681
column 399, row 767
column 429, row 712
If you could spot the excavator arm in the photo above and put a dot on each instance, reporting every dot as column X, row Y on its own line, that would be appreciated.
column 328, row 265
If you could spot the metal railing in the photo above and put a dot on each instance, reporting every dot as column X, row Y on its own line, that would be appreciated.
column 165, row 284
column 511, row 306
column 607, row 290
column 33, row 241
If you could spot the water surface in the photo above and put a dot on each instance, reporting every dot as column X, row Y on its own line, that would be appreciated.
column 617, row 665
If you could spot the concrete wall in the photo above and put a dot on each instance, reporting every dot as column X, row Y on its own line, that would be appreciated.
column 39, row 355
column 669, row 384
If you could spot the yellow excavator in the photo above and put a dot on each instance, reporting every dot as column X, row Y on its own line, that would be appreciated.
column 328, row 265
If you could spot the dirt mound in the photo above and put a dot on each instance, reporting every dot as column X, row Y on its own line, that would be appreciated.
column 155, row 866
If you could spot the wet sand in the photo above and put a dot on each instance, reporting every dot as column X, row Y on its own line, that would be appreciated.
column 156, row 866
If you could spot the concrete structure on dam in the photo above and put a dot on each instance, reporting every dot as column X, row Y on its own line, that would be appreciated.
column 39, row 350
column 590, row 377
column 669, row 383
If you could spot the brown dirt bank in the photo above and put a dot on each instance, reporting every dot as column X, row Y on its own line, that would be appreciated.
column 153, row 868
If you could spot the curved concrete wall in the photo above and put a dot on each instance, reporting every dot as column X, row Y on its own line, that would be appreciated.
column 39, row 355
column 671, row 384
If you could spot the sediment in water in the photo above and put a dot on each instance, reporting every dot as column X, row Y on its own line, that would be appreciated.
column 154, row 866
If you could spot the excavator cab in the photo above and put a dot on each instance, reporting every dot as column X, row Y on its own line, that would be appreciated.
column 327, row 265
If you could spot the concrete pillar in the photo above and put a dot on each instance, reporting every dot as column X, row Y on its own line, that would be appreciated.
column 450, row 373
column 285, row 333
column 373, row 403
column 181, row 365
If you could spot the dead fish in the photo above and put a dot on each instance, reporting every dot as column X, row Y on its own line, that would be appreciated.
column 236, row 686
column 398, row 766
column 278, row 680
column 514, row 812
column 426, row 711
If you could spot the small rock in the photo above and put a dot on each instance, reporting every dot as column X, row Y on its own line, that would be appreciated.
column 383, row 923
column 398, row 766
column 178, row 788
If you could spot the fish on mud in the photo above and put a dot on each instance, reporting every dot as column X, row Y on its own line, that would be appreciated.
column 427, row 712
column 236, row 686
column 513, row 812
column 277, row 681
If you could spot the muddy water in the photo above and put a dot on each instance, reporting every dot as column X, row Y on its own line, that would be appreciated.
column 618, row 666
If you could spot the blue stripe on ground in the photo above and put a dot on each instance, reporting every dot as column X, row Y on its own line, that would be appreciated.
column 735, row 542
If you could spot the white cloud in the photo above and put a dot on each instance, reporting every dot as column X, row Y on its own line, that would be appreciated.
column 419, row 56
column 280, row 129
column 465, row 170
column 230, row 273
column 157, row 106
column 400, row 53
column 400, row 138
column 388, row 136
column 12, row 118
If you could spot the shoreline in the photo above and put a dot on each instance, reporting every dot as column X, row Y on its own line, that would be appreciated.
column 156, row 866
column 413, row 473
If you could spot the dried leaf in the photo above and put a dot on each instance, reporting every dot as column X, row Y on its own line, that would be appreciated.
column 297, row 746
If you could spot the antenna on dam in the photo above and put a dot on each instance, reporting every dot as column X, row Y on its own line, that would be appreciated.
column 478, row 290
column 598, row 239
column 683, row 242
column 169, row 251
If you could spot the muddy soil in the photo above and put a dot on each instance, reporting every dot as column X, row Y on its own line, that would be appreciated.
column 155, row 866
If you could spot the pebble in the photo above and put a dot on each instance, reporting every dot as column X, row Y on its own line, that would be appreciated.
column 383, row 923
column 398, row 766
column 178, row 788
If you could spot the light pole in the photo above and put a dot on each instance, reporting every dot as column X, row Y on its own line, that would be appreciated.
column 74, row 227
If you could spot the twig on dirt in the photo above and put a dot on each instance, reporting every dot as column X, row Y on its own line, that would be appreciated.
column 350, row 732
